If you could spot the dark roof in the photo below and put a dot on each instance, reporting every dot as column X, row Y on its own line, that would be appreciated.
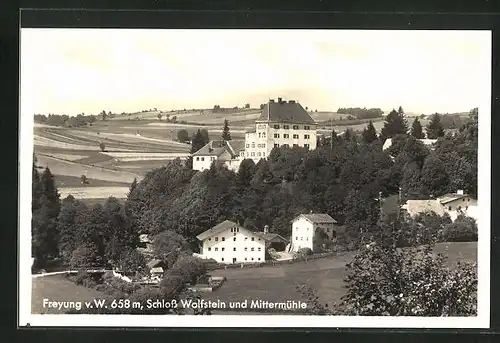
column 217, row 148
column 285, row 112
column 443, row 199
column 317, row 218
column 268, row 237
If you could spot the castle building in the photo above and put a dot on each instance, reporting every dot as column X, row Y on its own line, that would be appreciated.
column 280, row 124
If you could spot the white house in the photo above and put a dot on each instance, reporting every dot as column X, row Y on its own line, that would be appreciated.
column 225, row 152
column 451, row 203
column 229, row 242
column 280, row 123
column 427, row 142
column 305, row 227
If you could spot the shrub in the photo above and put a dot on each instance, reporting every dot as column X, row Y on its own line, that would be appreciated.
column 463, row 229
column 302, row 253
column 383, row 279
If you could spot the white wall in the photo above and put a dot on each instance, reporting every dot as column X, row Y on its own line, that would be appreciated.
column 223, row 250
column 204, row 162
column 302, row 234
column 463, row 204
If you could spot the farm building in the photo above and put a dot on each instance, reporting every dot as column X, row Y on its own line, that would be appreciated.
column 225, row 152
column 312, row 231
column 229, row 242
column 451, row 203
column 281, row 123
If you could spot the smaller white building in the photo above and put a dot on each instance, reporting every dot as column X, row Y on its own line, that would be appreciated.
column 229, row 242
column 427, row 142
column 307, row 228
column 224, row 152
column 452, row 203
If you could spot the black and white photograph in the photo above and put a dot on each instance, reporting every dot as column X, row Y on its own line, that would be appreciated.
column 254, row 178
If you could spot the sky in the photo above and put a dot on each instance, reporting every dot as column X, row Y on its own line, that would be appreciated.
column 120, row 70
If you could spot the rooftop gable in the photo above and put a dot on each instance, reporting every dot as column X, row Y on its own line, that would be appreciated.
column 226, row 224
column 317, row 218
column 285, row 112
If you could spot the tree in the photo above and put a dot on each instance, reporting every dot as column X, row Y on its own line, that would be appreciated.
column 133, row 186
column 168, row 246
column 385, row 280
column 247, row 105
column 369, row 133
column 104, row 115
column 395, row 123
column 434, row 178
column 102, row 146
column 84, row 180
column 246, row 172
column 183, row 136
column 226, row 136
column 86, row 256
column 159, row 116
column 416, row 129
column 197, row 142
column 72, row 211
column 435, row 128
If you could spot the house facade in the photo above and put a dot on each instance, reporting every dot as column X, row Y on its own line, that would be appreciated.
column 307, row 228
column 224, row 152
column 281, row 123
column 229, row 242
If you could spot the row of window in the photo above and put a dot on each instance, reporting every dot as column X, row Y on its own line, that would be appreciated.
column 258, row 145
column 234, row 238
column 301, row 238
column 286, row 135
column 458, row 208
column 212, row 158
column 258, row 259
column 294, row 127
column 294, row 145
column 234, row 249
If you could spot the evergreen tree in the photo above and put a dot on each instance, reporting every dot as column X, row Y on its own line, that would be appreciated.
column 395, row 123
column 369, row 133
column 133, row 186
column 204, row 134
column 348, row 135
column 416, row 129
column 197, row 142
column 50, row 192
column 246, row 172
column 435, row 128
column 226, row 136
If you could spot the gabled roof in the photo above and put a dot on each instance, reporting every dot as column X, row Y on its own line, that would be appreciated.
column 153, row 263
column 444, row 199
column 269, row 237
column 316, row 218
column 226, row 224
column 285, row 112
column 217, row 148
column 414, row 207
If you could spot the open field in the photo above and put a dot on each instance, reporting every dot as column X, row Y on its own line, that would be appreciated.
column 324, row 275
column 94, row 192
column 58, row 288
column 73, row 181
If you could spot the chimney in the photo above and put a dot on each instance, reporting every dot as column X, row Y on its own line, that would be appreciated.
column 271, row 101
column 266, row 229
column 280, row 100
column 460, row 192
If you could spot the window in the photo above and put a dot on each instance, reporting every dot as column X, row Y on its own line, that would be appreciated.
column 295, row 127
column 216, row 239
column 245, row 258
column 246, row 238
column 259, row 258
column 223, row 239
column 223, row 249
column 222, row 259
column 209, row 238
column 286, row 135
column 295, row 136
column 252, row 258
column 306, row 127
column 216, row 249
column 276, row 135
column 285, row 145
column 307, row 229
column 248, row 145
column 258, row 249
column 203, row 158
column 234, row 249
column 247, row 154
column 259, row 134
column 252, row 249
column 295, row 145
column 242, row 154
column 234, row 239
column 197, row 158
column 449, row 208
column 307, row 238
column 252, row 154
column 466, row 207
column 463, row 199
column 276, row 126
column 306, row 146
column 259, row 239
column 209, row 249
column 301, row 238
column 246, row 249
column 263, row 135
column 286, row 127
column 253, row 239
column 258, row 154
column 253, row 145
column 307, row 136
column 296, row 238
column 276, row 145
column 212, row 158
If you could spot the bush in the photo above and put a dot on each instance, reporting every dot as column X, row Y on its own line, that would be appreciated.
column 302, row 253
column 463, row 229
column 383, row 279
